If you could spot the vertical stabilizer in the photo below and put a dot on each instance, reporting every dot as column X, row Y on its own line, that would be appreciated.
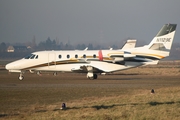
column 163, row 40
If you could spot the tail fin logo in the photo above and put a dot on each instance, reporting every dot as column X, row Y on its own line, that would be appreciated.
column 163, row 40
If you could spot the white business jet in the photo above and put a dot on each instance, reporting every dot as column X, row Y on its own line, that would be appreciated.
column 97, row 61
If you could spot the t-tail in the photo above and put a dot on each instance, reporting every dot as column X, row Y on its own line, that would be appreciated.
column 163, row 40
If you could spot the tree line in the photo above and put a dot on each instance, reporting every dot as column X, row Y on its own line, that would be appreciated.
column 53, row 45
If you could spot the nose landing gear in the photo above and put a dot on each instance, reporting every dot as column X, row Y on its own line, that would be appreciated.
column 21, row 76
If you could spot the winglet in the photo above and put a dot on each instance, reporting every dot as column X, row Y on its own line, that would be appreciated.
column 129, row 44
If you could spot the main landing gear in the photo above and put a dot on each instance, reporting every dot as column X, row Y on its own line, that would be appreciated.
column 90, row 73
column 93, row 76
column 55, row 74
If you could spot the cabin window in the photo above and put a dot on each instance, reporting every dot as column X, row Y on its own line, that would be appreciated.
column 60, row 56
column 84, row 56
column 76, row 56
column 94, row 56
column 68, row 56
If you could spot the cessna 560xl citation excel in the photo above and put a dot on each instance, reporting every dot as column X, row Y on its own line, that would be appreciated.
column 97, row 61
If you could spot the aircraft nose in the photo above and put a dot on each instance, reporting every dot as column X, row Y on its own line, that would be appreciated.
column 16, row 65
column 9, row 66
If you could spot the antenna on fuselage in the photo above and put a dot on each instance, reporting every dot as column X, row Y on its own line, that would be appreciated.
column 86, row 49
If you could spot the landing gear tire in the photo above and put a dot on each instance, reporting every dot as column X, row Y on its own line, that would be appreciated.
column 21, row 77
column 93, row 77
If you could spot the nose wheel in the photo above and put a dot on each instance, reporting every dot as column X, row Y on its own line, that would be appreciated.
column 21, row 76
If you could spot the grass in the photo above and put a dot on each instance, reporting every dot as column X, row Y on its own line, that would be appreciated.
column 139, row 104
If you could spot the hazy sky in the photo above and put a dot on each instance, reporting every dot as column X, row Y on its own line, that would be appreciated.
column 86, row 21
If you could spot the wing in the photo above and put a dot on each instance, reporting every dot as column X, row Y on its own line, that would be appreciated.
column 84, row 69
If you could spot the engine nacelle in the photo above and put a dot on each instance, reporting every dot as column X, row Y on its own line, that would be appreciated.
column 118, row 59
column 129, row 56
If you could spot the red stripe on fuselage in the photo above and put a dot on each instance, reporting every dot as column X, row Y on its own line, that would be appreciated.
column 100, row 55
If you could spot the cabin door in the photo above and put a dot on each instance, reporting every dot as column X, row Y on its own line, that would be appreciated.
column 52, row 60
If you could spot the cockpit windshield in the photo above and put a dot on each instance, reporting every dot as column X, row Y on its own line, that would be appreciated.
column 31, row 56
